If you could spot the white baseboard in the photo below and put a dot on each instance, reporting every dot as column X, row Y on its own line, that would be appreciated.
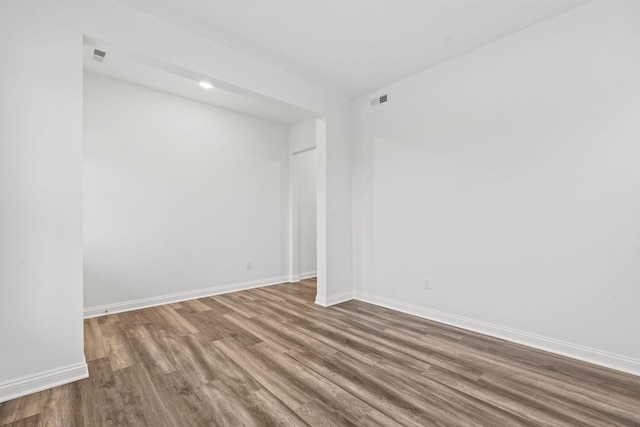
column 120, row 307
column 302, row 276
column 334, row 299
column 42, row 381
column 585, row 354
column 308, row 274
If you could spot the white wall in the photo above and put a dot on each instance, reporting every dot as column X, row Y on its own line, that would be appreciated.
column 304, row 166
column 302, row 135
column 41, row 140
column 41, row 331
column 178, row 195
column 303, row 138
column 510, row 176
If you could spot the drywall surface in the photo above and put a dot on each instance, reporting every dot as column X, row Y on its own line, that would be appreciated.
column 302, row 136
column 304, row 175
column 178, row 195
column 510, row 178
column 41, row 330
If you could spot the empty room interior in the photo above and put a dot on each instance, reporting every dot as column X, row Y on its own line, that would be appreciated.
column 393, row 213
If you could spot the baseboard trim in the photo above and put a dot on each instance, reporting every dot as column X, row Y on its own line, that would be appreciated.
column 590, row 355
column 307, row 275
column 334, row 299
column 103, row 310
column 34, row 383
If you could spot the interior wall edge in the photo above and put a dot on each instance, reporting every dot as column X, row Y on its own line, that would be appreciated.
column 137, row 304
column 42, row 381
column 586, row 354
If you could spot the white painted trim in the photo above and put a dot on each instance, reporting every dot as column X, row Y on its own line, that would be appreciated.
column 293, row 279
column 120, row 307
column 307, row 275
column 42, row 381
column 334, row 299
column 575, row 351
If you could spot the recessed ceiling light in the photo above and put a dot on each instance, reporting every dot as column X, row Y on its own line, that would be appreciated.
column 206, row 85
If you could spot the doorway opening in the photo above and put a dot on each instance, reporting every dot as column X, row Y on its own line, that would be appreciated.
column 304, row 138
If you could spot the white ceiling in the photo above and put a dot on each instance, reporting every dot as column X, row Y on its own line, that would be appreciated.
column 354, row 46
column 141, row 70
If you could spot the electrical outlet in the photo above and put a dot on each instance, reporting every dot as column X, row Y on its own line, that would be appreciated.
column 249, row 266
column 427, row 284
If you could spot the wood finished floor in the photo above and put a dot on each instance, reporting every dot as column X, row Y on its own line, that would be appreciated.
column 270, row 356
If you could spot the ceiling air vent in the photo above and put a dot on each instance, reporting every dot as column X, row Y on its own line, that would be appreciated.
column 99, row 55
column 379, row 100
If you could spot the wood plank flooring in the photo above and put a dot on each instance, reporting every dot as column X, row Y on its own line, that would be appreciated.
column 270, row 356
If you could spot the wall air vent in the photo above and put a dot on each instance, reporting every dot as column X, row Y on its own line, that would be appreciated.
column 379, row 100
column 99, row 55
